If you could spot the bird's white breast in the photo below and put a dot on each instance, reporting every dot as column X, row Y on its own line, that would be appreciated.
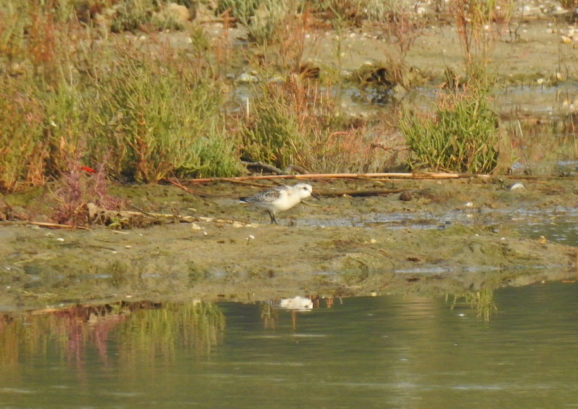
column 287, row 199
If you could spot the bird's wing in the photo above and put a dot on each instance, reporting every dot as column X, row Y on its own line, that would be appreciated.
column 269, row 195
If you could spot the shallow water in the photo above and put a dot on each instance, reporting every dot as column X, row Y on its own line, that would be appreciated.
column 372, row 352
column 554, row 217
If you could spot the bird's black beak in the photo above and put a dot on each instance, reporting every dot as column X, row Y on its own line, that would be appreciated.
column 316, row 196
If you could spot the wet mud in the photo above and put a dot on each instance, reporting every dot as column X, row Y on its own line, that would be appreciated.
column 360, row 237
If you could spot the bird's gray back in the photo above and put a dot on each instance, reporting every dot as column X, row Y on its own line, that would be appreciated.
column 266, row 196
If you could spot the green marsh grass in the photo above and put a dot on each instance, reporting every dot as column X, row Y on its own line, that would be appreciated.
column 152, row 110
column 96, row 80
column 156, row 116
column 297, row 122
column 272, row 135
column 462, row 135
column 22, row 148
column 146, row 110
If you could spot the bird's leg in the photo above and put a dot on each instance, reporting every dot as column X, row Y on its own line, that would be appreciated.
column 272, row 214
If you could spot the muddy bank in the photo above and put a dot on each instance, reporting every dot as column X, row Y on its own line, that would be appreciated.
column 426, row 236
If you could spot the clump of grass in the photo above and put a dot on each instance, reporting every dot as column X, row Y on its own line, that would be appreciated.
column 64, row 119
column 213, row 154
column 297, row 123
column 156, row 115
column 354, row 149
column 132, row 15
column 22, row 148
column 272, row 135
column 462, row 136
column 480, row 23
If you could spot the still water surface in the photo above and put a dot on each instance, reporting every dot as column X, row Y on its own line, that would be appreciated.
column 376, row 352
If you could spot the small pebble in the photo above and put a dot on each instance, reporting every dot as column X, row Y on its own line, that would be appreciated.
column 405, row 196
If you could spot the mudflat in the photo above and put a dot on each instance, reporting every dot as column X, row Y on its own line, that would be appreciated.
column 361, row 237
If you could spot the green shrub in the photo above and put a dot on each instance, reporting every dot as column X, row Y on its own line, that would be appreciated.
column 212, row 155
column 461, row 137
column 64, row 128
column 272, row 134
column 143, row 108
column 153, row 115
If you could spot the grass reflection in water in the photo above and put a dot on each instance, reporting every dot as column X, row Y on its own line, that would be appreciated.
column 145, row 331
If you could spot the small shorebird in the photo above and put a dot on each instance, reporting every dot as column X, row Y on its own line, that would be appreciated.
column 279, row 198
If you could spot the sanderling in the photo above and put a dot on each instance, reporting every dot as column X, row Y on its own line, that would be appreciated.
column 279, row 198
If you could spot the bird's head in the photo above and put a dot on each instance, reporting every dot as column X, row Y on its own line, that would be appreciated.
column 304, row 190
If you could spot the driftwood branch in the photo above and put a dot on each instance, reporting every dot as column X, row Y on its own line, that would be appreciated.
column 56, row 226
column 360, row 193
column 320, row 176
column 263, row 166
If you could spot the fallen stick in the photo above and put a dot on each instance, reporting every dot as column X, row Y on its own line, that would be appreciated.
column 361, row 193
column 177, row 183
column 432, row 175
column 56, row 226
